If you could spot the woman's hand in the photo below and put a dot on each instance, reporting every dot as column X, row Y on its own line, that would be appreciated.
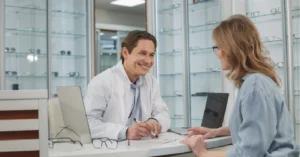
column 197, row 144
column 205, row 132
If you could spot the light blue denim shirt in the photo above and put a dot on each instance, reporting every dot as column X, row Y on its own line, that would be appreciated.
column 260, row 123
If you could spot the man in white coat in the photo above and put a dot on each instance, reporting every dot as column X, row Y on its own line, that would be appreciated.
column 126, row 92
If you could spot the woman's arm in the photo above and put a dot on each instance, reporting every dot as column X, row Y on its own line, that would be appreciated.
column 223, row 131
column 213, row 154
column 198, row 147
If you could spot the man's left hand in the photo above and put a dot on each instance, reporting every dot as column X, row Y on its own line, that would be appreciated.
column 155, row 127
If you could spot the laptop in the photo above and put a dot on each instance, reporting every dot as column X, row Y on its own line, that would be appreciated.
column 215, row 110
column 73, row 112
column 213, row 114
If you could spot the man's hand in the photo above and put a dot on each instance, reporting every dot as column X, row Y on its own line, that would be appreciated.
column 154, row 126
column 137, row 131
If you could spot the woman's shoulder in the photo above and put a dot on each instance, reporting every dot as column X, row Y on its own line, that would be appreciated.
column 258, row 81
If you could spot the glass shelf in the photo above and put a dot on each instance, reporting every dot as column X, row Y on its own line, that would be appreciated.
column 71, row 35
column 58, row 77
column 36, row 32
column 205, row 72
column 171, row 74
column 172, row 53
column 297, row 67
column 192, row 29
column 204, row 27
column 192, row 51
column 170, row 10
column 25, row 54
column 275, row 41
column 200, row 50
column 193, row 73
column 35, row 10
column 175, row 8
column 29, row 31
column 170, row 31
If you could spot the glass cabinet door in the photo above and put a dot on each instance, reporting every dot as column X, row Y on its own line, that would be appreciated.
column 69, row 44
column 25, row 44
column 169, row 57
column 205, row 68
column 296, row 52
column 107, row 54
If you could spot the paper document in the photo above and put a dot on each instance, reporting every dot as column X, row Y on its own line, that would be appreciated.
column 162, row 139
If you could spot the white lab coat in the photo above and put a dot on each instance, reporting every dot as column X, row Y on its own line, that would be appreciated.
column 108, row 102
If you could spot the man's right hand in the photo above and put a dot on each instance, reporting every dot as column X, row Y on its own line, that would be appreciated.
column 206, row 132
column 137, row 131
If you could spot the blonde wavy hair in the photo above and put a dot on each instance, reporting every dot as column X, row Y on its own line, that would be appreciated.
column 240, row 43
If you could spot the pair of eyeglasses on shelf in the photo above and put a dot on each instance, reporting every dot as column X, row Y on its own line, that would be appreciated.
column 296, row 35
column 278, row 65
column 31, row 6
column 213, row 69
column 173, row 6
column 270, row 38
column 52, row 141
column 109, row 143
column 211, row 22
column 275, row 10
column 252, row 14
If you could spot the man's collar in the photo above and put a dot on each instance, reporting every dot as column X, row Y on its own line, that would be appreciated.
column 138, row 82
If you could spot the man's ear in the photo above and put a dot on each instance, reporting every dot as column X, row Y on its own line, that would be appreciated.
column 125, row 52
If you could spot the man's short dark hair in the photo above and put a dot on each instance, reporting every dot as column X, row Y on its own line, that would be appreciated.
column 130, row 42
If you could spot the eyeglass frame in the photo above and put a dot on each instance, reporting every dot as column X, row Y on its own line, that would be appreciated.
column 275, row 10
column 253, row 14
column 278, row 65
column 102, row 141
column 62, row 138
column 215, row 48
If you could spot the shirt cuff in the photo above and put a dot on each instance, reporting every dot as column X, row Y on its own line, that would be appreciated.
column 122, row 134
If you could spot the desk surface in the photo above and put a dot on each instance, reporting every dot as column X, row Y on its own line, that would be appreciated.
column 135, row 149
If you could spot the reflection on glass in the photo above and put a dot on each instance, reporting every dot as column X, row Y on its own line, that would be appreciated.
column 108, row 50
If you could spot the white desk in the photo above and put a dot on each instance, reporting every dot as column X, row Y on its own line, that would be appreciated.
column 135, row 149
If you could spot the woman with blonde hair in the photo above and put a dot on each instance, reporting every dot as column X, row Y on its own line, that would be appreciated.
column 260, row 124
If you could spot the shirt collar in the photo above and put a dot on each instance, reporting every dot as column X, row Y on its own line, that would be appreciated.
column 139, row 81
column 245, row 76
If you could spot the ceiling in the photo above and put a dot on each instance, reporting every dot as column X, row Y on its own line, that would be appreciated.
column 105, row 4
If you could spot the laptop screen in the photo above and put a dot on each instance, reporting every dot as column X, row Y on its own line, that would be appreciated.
column 73, row 111
column 215, row 110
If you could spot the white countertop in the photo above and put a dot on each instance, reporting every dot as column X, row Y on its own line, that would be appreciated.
column 136, row 148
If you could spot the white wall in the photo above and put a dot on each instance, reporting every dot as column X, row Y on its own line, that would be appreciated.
column 119, row 18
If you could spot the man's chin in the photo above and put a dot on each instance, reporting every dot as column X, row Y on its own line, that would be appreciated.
column 143, row 73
